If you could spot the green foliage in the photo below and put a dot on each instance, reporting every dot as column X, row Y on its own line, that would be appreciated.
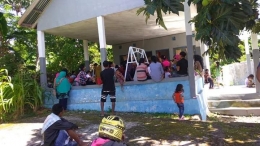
column 3, row 34
column 61, row 52
column 11, row 62
column 160, row 7
column 16, row 5
column 21, row 94
column 217, row 23
column 3, row 25
column 6, row 90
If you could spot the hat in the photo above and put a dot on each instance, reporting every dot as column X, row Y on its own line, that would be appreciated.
column 112, row 127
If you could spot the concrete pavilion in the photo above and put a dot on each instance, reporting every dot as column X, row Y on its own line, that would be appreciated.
column 115, row 23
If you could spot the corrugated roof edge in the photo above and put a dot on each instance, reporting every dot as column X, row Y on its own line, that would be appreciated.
column 29, row 13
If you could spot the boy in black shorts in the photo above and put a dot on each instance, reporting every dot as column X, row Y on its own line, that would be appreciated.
column 107, row 77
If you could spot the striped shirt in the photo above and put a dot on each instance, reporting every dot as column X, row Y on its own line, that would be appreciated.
column 141, row 72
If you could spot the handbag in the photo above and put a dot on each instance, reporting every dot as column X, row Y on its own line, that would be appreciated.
column 54, row 92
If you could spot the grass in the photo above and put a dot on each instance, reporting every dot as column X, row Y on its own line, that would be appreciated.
column 160, row 128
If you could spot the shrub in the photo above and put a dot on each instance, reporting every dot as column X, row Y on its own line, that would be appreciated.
column 19, row 95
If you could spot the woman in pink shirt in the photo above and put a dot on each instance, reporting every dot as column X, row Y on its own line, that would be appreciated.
column 165, row 61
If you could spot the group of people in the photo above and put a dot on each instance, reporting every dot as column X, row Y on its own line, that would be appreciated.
column 157, row 70
column 57, row 131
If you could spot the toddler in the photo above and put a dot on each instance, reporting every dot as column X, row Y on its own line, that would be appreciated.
column 249, row 81
column 179, row 100
column 167, row 73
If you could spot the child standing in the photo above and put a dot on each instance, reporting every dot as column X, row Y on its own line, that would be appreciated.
column 179, row 100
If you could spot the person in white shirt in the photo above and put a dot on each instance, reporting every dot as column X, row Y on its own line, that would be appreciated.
column 167, row 73
column 249, row 81
column 90, row 79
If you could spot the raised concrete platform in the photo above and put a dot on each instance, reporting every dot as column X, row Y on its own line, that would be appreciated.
column 232, row 93
column 142, row 97
column 233, row 100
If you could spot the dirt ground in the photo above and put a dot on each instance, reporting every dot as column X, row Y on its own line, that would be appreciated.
column 145, row 129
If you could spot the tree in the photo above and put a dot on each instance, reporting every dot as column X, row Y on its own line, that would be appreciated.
column 159, row 6
column 217, row 23
column 17, row 5
column 3, row 34
column 61, row 52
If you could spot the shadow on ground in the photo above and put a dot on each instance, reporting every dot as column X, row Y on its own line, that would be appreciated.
column 158, row 129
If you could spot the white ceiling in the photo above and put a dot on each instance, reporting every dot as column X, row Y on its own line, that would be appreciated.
column 124, row 27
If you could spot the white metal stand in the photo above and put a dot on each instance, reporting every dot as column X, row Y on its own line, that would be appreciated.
column 132, row 58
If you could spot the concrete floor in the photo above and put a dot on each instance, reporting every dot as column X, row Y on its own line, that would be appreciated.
column 233, row 100
column 231, row 93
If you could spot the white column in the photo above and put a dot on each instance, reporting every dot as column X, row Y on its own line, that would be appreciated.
column 102, row 39
column 190, row 53
column 248, row 58
column 255, row 58
column 86, row 54
column 203, row 49
column 42, row 59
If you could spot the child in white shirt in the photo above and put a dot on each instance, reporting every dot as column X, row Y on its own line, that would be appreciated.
column 167, row 73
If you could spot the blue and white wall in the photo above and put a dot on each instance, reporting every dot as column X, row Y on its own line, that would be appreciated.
column 137, row 97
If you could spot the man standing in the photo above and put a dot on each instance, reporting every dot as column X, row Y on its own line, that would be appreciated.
column 108, row 88
column 182, row 65
column 57, row 131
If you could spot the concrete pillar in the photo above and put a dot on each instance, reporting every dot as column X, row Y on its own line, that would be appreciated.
column 42, row 59
column 171, row 53
column 189, row 49
column 204, row 48
column 102, row 39
column 154, row 52
column 255, row 58
column 248, row 58
column 86, row 54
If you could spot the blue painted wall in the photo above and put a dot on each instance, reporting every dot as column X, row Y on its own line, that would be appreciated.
column 144, row 97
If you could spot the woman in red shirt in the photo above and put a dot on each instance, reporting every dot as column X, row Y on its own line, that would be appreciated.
column 179, row 100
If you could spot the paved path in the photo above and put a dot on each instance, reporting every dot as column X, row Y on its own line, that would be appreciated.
column 20, row 134
column 231, row 92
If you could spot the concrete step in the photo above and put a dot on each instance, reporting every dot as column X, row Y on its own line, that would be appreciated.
column 233, row 96
column 233, row 103
column 237, row 111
